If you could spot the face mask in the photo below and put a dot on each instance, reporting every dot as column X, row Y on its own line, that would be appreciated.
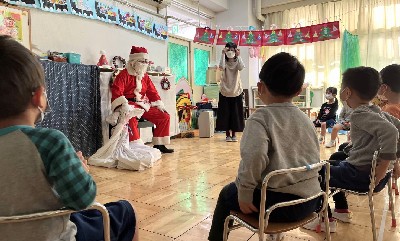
column 230, row 54
column 328, row 96
column 43, row 113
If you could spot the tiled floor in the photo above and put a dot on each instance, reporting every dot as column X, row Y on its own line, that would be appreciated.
column 176, row 198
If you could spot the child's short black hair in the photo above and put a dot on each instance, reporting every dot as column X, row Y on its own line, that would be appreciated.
column 391, row 77
column 365, row 81
column 283, row 75
column 20, row 74
column 332, row 90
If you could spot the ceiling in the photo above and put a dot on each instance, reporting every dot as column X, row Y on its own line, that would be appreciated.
column 270, row 3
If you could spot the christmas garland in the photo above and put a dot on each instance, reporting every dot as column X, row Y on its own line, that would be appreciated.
column 165, row 84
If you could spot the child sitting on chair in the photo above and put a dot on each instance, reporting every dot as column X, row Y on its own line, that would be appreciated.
column 344, row 124
column 270, row 142
column 371, row 130
column 327, row 114
column 40, row 171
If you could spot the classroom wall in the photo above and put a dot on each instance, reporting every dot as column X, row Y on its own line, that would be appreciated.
column 69, row 33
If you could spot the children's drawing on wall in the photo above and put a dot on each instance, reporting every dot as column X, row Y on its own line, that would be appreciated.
column 160, row 31
column 10, row 23
column 127, row 20
column 83, row 8
column 28, row 3
column 148, row 25
column 106, row 12
column 56, row 6
column 141, row 23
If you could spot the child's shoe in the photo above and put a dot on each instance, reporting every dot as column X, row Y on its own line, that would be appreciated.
column 314, row 226
column 330, row 144
column 228, row 139
column 321, row 139
column 234, row 139
column 275, row 237
column 343, row 215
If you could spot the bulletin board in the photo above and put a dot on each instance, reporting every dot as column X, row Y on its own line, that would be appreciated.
column 15, row 21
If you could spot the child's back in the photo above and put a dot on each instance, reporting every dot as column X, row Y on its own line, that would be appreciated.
column 37, row 173
column 290, row 138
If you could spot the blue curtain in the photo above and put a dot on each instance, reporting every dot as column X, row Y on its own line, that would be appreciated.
column 73, row 92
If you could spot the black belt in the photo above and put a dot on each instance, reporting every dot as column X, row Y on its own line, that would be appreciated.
column 133, row 100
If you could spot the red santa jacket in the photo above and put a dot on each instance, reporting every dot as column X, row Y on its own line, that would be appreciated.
column 125, row 85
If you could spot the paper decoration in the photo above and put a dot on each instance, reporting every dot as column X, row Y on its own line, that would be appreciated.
column 226, row 36
column 325, row 31
column 298, row 36
column 205, row 35
column 251, row 38
column 160, row 31
column 55, row 6
column 274, row 37
column 83, row 8
column 127, row 20
column 26, row 3
column 106, row 13
column 10, row 22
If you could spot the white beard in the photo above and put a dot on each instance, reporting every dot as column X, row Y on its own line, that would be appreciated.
column 139, row 70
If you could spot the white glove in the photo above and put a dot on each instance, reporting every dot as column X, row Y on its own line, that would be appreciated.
column 162, row 108
column 125, row 108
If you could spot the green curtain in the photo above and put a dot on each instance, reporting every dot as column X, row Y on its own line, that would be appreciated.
column 350, row 52
column 178, row 60
column 201, row 60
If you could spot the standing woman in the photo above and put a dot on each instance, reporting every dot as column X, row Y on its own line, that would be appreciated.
column 230, row 105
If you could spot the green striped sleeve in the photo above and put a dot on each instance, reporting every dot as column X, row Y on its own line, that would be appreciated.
column 73, row 185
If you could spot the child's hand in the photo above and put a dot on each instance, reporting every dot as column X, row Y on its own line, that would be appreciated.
column 224, row 50
column 83, row 160
column 237, row 51
column 247, row 208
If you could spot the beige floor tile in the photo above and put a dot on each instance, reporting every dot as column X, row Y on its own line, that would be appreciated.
column 191, row 186
column 211, row 178
column 145, row 235
column 172, row 223
column 130, row 192
column 196, row 205
column 164, row 198
column 144, row 211
column 212, row 192
column 158, row 182
column 110, row 185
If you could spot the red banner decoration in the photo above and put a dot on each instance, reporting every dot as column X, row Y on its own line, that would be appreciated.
column 298, row 36
column 204, row 35
column 251, row 38
column 325, row 31
column 226, row 36
column 274, row 37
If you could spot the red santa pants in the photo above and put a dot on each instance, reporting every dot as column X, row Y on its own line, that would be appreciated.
column 160, row 119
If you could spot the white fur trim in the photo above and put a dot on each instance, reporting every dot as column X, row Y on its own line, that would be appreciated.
column 145, row 106
column 138, row 56
column 157, row 103
column 118, row 101
column 165, row 140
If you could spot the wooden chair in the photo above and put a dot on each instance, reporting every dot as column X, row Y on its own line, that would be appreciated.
column 262, row 226
column 370, row 193
column 61, row 212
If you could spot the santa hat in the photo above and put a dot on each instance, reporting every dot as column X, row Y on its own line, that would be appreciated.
column 138, row 53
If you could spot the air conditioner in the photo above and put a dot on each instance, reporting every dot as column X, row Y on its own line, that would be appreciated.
column 158, row 3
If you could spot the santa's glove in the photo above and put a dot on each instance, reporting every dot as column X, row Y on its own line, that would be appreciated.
column 160, row 105
column 113, row 118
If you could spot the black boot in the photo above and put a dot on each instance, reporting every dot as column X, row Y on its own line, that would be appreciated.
column 163, row 149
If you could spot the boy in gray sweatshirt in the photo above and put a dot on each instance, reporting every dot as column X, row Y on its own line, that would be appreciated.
column 371, row 130
column 271, row 142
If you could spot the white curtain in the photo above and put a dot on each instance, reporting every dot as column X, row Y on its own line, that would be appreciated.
column 375, row 21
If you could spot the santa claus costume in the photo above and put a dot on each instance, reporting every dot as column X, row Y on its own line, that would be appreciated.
column 133, row 85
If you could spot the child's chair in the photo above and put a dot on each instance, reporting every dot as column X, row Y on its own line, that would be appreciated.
column 61, row 212
column 370, row 194
column 261, row 225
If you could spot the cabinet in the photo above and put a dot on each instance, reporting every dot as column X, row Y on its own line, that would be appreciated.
column 302, row 100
